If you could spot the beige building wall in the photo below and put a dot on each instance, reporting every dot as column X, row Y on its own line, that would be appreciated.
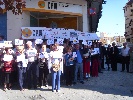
column 80, row 8
column 14, row 24
column 128, row 17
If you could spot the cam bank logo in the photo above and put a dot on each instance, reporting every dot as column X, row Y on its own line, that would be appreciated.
column 26, row 32
column 41, row 4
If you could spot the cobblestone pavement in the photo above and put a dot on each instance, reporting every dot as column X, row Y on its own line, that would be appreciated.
column 108, row 86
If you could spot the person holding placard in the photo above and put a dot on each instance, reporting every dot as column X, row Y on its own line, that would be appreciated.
column 7, row 69
column 43, row 67
column 56, row 68
column 86, row 61
column 31, row 54
column 94, row 61
column 22, row 65
column 78, row 64
column 69, row 65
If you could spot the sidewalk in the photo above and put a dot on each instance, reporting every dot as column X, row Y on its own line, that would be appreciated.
column 108, row 86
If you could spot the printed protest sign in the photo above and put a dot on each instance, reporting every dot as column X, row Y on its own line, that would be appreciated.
column 18, row 42
column 74, row 54
column 43, row 55
column 50, row 41
column 60, row 41
column 8, row 58
column 20, row 58
column 8, row 43
column 32, row 53
column 2, row 45
column 89, row 43
column 38, row 41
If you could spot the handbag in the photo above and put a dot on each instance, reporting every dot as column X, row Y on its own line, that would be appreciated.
column 56, row 67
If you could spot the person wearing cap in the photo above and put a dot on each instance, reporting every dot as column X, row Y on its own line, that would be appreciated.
column 31, row 54
column 114, row 54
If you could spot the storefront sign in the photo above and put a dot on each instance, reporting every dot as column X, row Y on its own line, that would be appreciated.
column 56, row 5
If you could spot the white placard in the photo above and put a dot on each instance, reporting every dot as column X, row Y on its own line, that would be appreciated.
column 84, row 42
column 82, row 36
column 38, row 41
column 61, row 48
column 8, row 58
column 18, row 42
column 93, row 52
column 60, row 41
column 43, row 55
column 89, row 43
column 2, row 45
column 74, row 34
column 25, row 62
column 20, row 58
column 31, row 53
column 48, row 34
column 97, row 50
column 74, row 54
column 65, row 34
column 75, row 41
column 50, row 41
column 8, row 43
column 56, row 54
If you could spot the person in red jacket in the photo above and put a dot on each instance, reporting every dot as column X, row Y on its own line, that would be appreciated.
column 7, row 69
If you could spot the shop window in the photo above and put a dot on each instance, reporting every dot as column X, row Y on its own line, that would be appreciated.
column 33, row 22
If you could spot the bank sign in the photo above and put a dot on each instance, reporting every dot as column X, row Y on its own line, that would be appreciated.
column 52, row 5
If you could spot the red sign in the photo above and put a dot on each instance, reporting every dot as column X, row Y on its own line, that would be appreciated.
column 92, row 11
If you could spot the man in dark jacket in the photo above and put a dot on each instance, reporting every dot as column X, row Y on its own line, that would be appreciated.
column 114, row 53
column 102, row 54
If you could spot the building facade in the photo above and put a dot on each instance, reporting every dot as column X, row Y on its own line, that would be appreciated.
column 105, row 39
column 69, row 14
column 128, row 14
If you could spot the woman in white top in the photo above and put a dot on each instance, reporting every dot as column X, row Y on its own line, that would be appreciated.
column 56, row 59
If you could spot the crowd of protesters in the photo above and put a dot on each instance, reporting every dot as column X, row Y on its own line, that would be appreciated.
column 76, row 62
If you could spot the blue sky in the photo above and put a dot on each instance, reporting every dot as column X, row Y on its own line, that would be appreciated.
column 112, row 20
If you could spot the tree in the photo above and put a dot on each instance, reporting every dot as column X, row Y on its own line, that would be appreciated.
column 15, row 6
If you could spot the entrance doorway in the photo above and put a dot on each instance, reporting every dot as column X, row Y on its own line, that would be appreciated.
column 49, row 20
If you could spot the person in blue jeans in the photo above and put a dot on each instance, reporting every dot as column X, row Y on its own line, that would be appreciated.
column 56, row 59
column 22, row 65
column 78, row 64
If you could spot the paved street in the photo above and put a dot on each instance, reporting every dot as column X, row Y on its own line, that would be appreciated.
column 108, row 86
